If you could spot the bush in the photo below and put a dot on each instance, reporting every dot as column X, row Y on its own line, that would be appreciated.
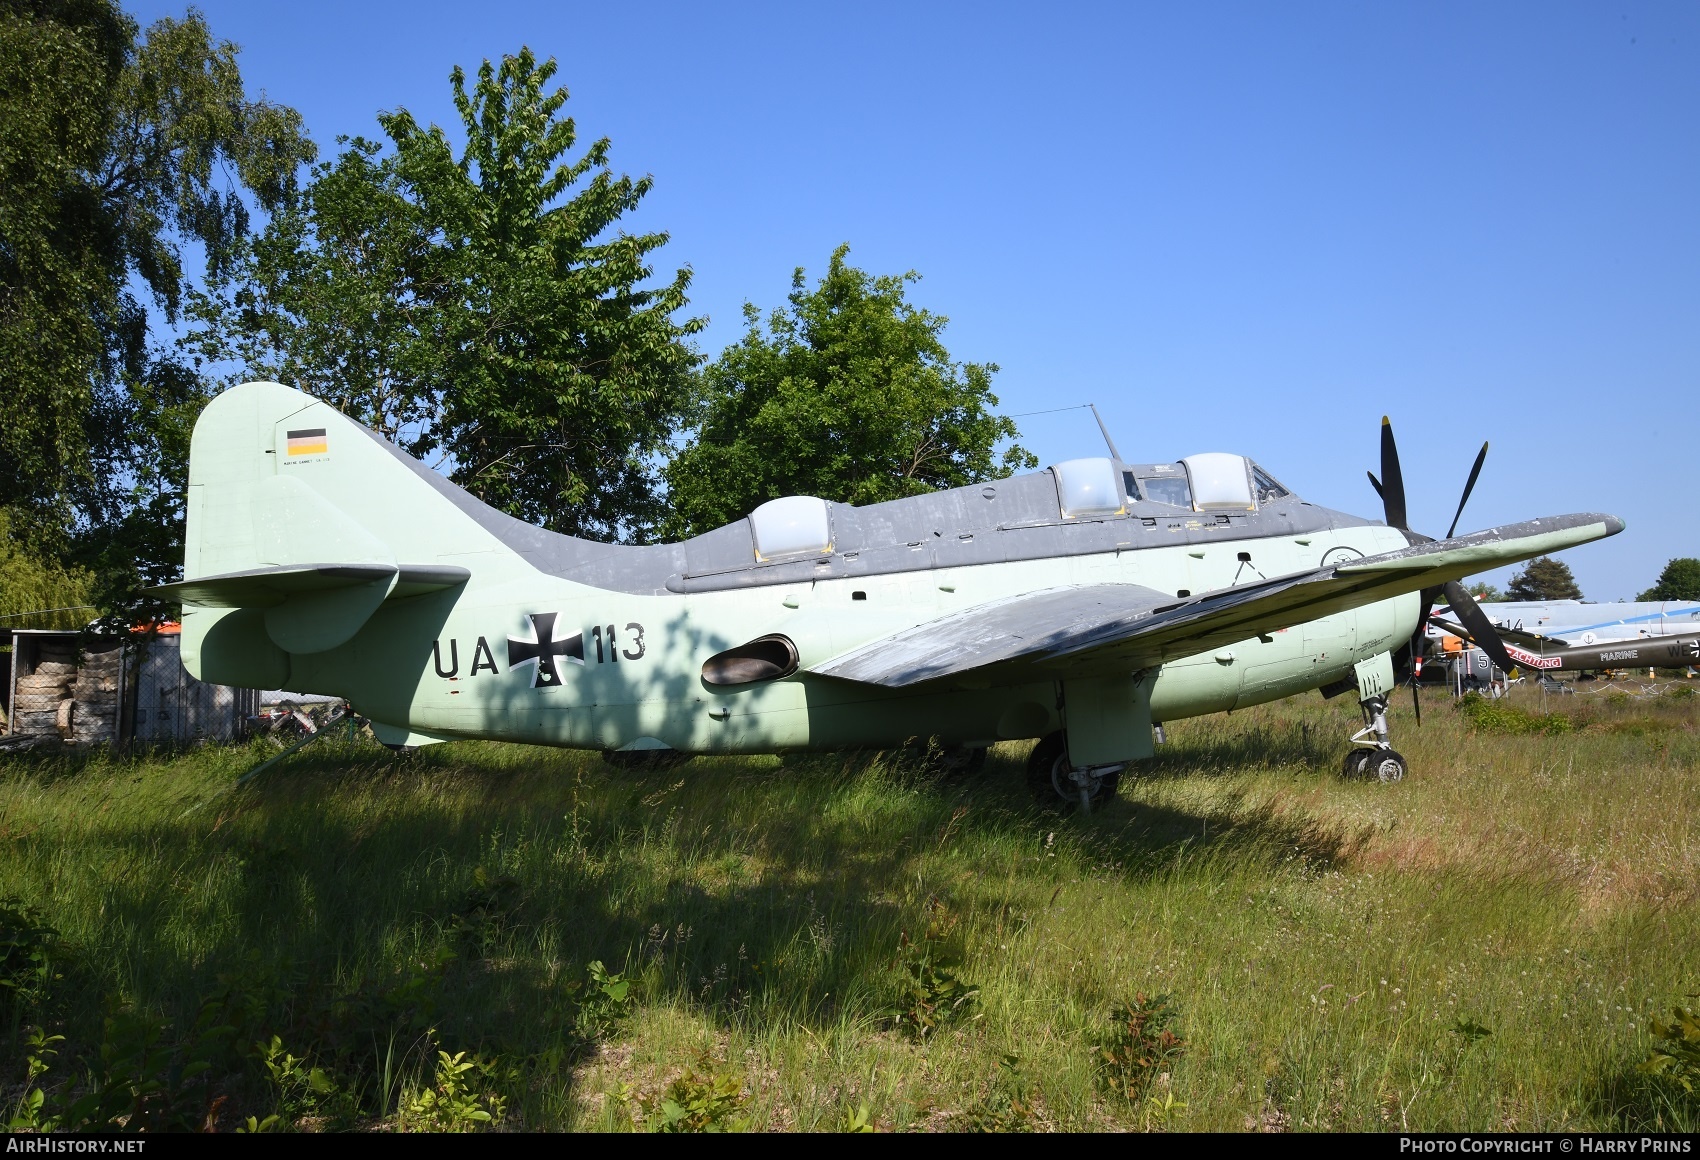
column 932, row 993
column 1499, row 717
column 28, row 947
column 709, row 1102
column 1139, row 1046
column 1676, row 1057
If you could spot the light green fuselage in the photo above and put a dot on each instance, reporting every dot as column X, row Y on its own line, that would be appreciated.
column 652, row 689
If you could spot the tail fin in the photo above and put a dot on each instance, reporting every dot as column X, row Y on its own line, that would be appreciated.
column 301, row 523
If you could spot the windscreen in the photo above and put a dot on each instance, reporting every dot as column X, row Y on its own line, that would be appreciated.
column 1266, row 486
column 1171, row 489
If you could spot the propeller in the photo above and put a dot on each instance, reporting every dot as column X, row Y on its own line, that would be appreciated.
column 1391, row 488
column 1465, row 608
column 1393, row 480
column 1469, row 486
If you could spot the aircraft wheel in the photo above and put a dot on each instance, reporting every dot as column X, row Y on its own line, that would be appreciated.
column 1049, row 781
column 1355, row 764
column 960, row 761
column 645, row 760
column 1386, row 766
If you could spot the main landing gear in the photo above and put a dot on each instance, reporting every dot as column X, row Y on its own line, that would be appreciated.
column 1371, row 755
column 1055, row 782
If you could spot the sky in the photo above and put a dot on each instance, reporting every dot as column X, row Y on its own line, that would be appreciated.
column 1234, row 227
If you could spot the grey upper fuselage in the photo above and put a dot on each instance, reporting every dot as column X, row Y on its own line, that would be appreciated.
column 1016, row 518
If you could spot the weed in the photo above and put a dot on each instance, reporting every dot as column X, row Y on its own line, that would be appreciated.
column 140, row 1081
column 697, row 1103
column 452, row 1104
column 492, row 906
column 604, row 1000
column 1676, row 1057
column 28, row 949
column 931, row 992
column 30, row 1114
column 302, row 1091
column 1005, row 1106
column 857, row 1119
column 1160, row 1113
column 1139, row 1045
column 1469, row 1031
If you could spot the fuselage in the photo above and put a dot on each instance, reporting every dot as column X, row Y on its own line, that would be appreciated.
column 638, row 683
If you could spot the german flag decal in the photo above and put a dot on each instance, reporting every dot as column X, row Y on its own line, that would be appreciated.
column 307, row 442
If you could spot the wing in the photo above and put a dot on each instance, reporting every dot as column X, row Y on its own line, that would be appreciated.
column 1105, row 629
column 265, row 587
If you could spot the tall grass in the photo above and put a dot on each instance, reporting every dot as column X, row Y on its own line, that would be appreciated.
column 1480, row 946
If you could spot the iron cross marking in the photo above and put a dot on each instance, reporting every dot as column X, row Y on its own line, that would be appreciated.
column 544, row 649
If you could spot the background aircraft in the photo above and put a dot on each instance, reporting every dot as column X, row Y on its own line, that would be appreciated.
column 1079, row 605
column 1543, row 653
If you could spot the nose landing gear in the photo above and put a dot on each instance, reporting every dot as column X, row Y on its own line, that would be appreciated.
column 1371, row 755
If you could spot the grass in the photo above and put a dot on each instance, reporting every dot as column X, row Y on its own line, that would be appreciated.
column 1481, row 946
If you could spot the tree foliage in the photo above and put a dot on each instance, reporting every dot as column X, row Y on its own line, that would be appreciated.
column 332, row 298
column 39, row 593
column 117, row 151
column 1543, row 578
column 847, row 394
column 1680, row 580
column 482, row 309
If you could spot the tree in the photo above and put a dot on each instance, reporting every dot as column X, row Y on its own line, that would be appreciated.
column 849, row 395
column 116, row 152
column 1679, row 581
column 39, row 593
column 1543, row 578
column 332, row 298
column 480, row 309
column 1486, row 593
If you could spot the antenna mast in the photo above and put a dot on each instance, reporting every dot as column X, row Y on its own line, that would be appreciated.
column 1105, row 431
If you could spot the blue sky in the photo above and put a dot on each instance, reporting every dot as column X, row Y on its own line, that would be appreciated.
column 1253, row 228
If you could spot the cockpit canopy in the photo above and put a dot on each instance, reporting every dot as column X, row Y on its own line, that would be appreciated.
column 1214, row 481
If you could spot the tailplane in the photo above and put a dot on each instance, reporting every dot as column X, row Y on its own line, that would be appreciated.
column 301, row 524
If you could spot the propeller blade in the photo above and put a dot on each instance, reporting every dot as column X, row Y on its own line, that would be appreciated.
column 1419, row 639
column 1392, row 479
column 1465, row 608
column 1470, row 486
column 1376, row 483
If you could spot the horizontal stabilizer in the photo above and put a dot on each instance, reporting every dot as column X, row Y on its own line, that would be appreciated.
column 1517, row 636
column 265, row 587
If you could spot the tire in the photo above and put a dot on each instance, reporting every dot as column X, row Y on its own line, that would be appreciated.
column 1046, row 768
column 642, row 760
column 1386, row 767
column 1355, row 765
column 960, row 761
column 36, row 703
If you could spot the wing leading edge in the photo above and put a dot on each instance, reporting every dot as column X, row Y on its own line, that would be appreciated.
column 1105, row 629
